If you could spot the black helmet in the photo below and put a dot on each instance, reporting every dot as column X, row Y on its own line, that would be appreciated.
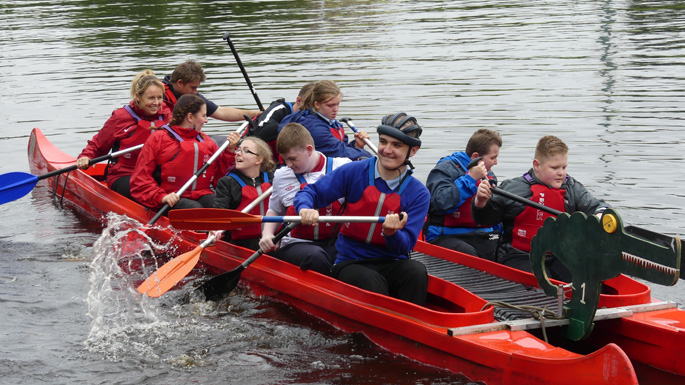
column 399, row 126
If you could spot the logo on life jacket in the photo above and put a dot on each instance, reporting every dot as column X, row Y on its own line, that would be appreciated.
column 539, row 214
column 171, row 179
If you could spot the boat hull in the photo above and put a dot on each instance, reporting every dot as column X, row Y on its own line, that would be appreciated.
column 420, row 333
column 653, row 337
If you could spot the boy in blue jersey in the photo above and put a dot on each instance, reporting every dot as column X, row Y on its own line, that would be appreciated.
column 452, row 186
column 372, row 256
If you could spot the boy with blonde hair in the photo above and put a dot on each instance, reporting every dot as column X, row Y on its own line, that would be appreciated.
column 547, row 183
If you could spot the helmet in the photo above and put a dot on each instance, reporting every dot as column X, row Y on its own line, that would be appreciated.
column 399, row 126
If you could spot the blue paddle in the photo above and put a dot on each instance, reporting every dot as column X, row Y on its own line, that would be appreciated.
column 15, row 185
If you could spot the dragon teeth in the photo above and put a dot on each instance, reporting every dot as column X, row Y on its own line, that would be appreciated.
column 647, row 264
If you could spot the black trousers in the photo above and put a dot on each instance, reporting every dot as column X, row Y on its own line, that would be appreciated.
column 521, row 260
column 405, row 279
column 205, row 201
column 317, row 256
column 123, row 186
column 477, row 243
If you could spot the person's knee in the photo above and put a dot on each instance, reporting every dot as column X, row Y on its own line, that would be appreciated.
column 364, row 278
column 309, row 257
column 457, row 244
column 318, row 262
column 207, row 201
column 412, row 269
column 185, row 203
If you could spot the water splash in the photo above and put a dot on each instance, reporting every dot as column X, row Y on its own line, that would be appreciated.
column 121, row 318
column 127, row 326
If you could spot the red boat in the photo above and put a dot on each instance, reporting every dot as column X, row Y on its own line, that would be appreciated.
column 451, row 331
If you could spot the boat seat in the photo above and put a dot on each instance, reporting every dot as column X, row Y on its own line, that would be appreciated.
column 489, row 287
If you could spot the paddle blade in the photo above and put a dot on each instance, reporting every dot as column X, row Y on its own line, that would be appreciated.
column 170, row 273
column 15, row 185
column 211, row 219
column 221, row 285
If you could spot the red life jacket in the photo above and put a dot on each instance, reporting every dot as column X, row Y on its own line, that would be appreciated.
column 338, row 132
column 527, row 224
column 323, row 230
column 249, row 194
column 169, row 97
column 137, row 134
column 462, row 216
column 192, row 155
column 336, row 128
column 376, row 203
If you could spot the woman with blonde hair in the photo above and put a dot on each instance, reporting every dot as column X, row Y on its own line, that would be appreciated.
column 128, row 126
column 253, row 174
column 318, row 114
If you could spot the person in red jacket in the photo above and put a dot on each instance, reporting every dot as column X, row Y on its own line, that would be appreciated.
column 173, row 154
column 128, row 126
column 186, row 79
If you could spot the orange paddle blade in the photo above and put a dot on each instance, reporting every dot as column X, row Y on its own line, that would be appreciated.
column 170, row 273
column 211, row 219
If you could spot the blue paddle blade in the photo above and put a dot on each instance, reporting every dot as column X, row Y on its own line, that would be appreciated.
column 15, row 185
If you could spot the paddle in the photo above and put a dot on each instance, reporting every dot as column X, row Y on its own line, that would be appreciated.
column 195, row 176
column 222, row 219
column 15, row 185
column 515, row 197
column 227, row 37
column 224, row 283
column 349, row 122
column 176, row 269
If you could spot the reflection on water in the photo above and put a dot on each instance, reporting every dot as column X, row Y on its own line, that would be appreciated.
column 606, row 76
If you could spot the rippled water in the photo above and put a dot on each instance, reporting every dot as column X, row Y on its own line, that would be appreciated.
column 605, row 76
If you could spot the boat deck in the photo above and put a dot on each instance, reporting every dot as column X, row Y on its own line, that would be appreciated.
column 489, row 287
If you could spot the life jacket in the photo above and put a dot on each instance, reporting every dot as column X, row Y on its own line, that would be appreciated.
column 249, row 194
column 373, row 202
column 170, row 98
column 137, row 134
column 527, row 224
column 191, row 157
column 324, row 230
column 336, row 129
column 462, row 216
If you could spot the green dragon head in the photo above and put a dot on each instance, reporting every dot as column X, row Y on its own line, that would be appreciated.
column 595, row 252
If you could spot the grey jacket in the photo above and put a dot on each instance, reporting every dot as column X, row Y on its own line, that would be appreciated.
column 501, row 209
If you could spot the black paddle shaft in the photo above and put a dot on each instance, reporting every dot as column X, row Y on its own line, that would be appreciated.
column 515, row 197
column 227, row 37
column 217, row 287
column 74, row 167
